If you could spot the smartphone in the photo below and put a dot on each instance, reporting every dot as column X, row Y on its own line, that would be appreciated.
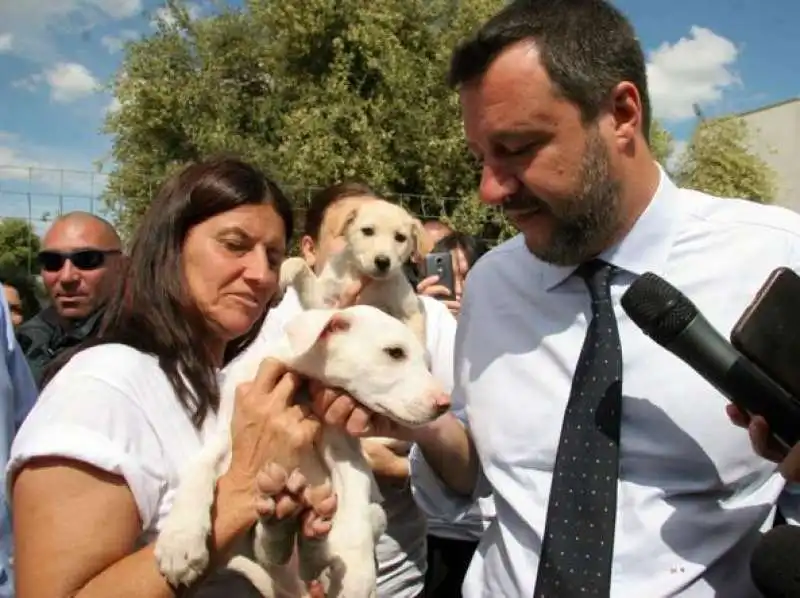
column 768, row 332
column 441, row 265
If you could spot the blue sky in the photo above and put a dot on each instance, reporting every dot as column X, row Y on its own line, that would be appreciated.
column 57, row 55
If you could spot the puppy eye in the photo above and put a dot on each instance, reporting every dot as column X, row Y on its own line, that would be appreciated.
column 400, row 238
column 368, row 231
column 396, row 353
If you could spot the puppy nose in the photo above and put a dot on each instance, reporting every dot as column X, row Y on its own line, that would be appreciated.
column 382, row 263
column 442, row 402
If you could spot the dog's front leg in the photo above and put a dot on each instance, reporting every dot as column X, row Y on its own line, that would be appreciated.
column 181, row 548
column 352, row 572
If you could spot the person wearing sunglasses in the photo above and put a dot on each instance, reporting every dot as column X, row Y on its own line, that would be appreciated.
column 79, row 264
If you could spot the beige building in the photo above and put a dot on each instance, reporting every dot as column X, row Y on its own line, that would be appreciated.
column 775, row 131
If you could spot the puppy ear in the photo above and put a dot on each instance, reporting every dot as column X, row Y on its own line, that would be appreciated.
column 422, row 240
column 308, row 328
column 348, row 222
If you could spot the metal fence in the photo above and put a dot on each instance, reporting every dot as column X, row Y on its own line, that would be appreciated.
column 37, row 195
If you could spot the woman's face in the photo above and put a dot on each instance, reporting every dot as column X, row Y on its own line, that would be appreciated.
column 14, row 304
column 231, row 263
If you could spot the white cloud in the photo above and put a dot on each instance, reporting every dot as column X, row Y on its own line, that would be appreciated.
column 697, row 69
column 34, row 22
column 70, row 81
column 114, row 105
column 6, row 42
column 115, row 43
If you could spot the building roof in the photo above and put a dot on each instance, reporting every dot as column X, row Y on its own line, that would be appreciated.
column 768, row 107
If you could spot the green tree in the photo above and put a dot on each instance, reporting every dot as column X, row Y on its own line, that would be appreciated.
column 312, row 91
column 719, row 160
column 19, row 246
column 661, row 143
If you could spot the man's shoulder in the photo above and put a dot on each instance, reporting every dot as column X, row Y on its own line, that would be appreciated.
column 731, row 213
column 35, row 331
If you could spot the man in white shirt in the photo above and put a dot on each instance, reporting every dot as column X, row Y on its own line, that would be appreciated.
column 555, row 108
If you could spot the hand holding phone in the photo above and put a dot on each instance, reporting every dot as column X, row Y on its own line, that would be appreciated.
column 441, row 265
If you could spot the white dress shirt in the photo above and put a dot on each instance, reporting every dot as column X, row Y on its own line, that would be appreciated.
column 692, row 495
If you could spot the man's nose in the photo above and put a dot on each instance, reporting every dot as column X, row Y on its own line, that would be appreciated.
column 69, row 273
column 496, row 185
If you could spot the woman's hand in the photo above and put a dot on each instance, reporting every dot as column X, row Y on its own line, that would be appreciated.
column 267, row 427
column 287, row 495
column 430, row 288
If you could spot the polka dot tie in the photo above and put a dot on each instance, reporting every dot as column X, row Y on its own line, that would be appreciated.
column 579, row 534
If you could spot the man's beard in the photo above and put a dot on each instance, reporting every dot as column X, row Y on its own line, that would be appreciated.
column 586, row 222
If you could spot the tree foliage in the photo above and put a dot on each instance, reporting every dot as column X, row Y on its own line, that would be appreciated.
column 719, row 160
column 661, row 143
column 19, row 246
column 313, row 92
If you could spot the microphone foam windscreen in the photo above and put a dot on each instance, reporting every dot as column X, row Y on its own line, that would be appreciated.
column 658, row 308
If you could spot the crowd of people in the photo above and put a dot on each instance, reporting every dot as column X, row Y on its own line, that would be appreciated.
column 579, row 458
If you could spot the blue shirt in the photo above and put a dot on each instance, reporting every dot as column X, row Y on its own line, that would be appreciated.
column 17, row 395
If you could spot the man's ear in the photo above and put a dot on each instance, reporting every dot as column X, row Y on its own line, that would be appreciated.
column 422, row 241
column 309, row 250
column 308, row 328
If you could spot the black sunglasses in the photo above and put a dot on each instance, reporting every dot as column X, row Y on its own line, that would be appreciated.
column 83, row 259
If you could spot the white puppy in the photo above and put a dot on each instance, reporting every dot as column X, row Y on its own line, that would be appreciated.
column 377, row 360
column 380, row 237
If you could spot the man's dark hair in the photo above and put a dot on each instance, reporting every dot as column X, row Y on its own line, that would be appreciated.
column 472, row 246
column 325, row 198
column 587, row 47
column 25, row 286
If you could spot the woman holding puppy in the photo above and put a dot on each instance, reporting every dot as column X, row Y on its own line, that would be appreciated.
column 93, row 467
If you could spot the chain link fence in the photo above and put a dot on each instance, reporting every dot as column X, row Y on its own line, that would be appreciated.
column 37, row 195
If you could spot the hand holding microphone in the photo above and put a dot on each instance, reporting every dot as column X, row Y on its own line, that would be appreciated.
column 668, row 317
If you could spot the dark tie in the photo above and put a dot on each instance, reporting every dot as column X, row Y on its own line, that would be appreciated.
column 579, row 534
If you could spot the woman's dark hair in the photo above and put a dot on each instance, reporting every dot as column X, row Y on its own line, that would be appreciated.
column 325, row 198
column 25, row 286
column 473, row 247
column 152, row 311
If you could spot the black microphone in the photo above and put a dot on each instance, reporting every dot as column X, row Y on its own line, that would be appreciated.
column 668, row 317
column 773, row 565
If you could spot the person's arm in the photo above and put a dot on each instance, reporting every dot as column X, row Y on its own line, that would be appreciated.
column 447, row 448
column 79, row 541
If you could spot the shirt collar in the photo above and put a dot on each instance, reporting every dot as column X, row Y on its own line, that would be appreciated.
column 647, row 245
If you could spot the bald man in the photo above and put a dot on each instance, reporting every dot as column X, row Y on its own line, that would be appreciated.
column 80, row 258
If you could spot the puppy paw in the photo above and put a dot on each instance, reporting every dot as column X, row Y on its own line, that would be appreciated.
column 291, row 268
column 181, row 549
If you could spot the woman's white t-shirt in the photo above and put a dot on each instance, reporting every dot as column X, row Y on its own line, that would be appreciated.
column 113, row 407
